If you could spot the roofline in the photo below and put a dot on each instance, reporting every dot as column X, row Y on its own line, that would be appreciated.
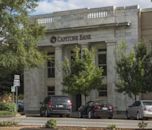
column 146, row 10
column 122, row 24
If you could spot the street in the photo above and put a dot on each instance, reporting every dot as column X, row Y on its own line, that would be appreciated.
column 79, row 122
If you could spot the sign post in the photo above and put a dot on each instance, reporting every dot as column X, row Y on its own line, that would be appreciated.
column 16, row 84
column 13, row 91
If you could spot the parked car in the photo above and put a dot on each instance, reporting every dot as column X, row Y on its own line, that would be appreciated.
column 96, row 109
column 140, row 109
column 56, row 105
column 20, row 106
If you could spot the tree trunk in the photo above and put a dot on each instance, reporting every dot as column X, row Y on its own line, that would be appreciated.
column 85, row 96
column 135, row 97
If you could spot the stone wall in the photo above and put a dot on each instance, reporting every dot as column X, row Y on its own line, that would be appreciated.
column 99, row 25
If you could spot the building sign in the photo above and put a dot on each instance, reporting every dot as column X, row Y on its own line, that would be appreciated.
column 80, row 37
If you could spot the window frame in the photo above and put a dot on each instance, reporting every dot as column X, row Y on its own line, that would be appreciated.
column 50, row 91
column 103, row 90
column 51, row 65
column 102, row 51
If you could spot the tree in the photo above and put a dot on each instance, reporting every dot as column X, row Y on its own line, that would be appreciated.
column 81, row 75
column 134, row 70
column 19, row 36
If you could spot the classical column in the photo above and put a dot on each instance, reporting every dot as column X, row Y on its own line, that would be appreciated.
column 84, row 45
column 34, row 88
column 111, row 73
column 58, row 70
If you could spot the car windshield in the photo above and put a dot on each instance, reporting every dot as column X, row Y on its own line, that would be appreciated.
column 147, row 103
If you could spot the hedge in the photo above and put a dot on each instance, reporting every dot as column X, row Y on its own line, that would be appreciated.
column 11, row 107
column 7, row 113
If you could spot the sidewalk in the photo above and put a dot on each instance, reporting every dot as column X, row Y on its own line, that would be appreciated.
column 75, row 115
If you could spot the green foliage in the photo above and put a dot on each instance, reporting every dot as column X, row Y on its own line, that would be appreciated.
column 20, row 97
column 81, row 75
column 111, row 127
column 11, row 107
column 7, row 113
column 134, row 69
column 7, row 97
column 142, row 125
column 19, row 35
column 51, row 123
column 7, row 123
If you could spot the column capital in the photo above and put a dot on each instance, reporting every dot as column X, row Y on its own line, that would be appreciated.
column 84, row 45
column 58, row 48
column 57, row 45
column 111, row 43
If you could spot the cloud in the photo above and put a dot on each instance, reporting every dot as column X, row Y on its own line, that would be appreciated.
column 53, row 6
column 48, row 6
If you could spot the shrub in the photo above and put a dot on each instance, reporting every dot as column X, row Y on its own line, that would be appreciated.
column 20, row 97
column 7, row 97
column 11, row 107
column 7, row 123
column 142, row 124
column 111, row 127
column 7, row 113
column 51, row 123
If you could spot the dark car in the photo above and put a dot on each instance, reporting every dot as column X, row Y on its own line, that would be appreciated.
column 56, row 105
column 20, row 106
column 96, row 109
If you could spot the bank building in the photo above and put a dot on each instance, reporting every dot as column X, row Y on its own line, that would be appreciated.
column 101, row 28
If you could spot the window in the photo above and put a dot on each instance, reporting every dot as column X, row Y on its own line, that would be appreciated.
column 51, row 65
column 102, row 60
column 103, row 91
column 51, row 90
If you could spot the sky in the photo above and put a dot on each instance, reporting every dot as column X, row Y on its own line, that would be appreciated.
column 49, row 6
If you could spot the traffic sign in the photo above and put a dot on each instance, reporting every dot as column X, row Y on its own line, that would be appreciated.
column 12, row 89
column 16, row 82
column 16, row 77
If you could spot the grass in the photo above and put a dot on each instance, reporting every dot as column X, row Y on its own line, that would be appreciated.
column 7, row 113
column 7, row 123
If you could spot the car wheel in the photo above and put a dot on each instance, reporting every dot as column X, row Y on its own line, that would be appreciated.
column 90, row 114
column 61, row 115
column 80, row 115
column 127, row 115
column 110, row 117
column 138, row 116
column 42, row 112
column 46, row 113
column 68, row 115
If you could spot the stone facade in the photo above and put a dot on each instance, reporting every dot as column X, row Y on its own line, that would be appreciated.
column 146, row 36
column 101, row 28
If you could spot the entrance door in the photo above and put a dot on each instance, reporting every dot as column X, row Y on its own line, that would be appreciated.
column 78, row 101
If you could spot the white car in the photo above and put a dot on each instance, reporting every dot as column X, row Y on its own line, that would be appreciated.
column 140, row 109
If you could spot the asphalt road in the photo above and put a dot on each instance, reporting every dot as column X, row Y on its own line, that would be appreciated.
column 79, row 122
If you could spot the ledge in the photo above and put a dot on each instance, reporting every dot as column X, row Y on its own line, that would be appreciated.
column 109, row 25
